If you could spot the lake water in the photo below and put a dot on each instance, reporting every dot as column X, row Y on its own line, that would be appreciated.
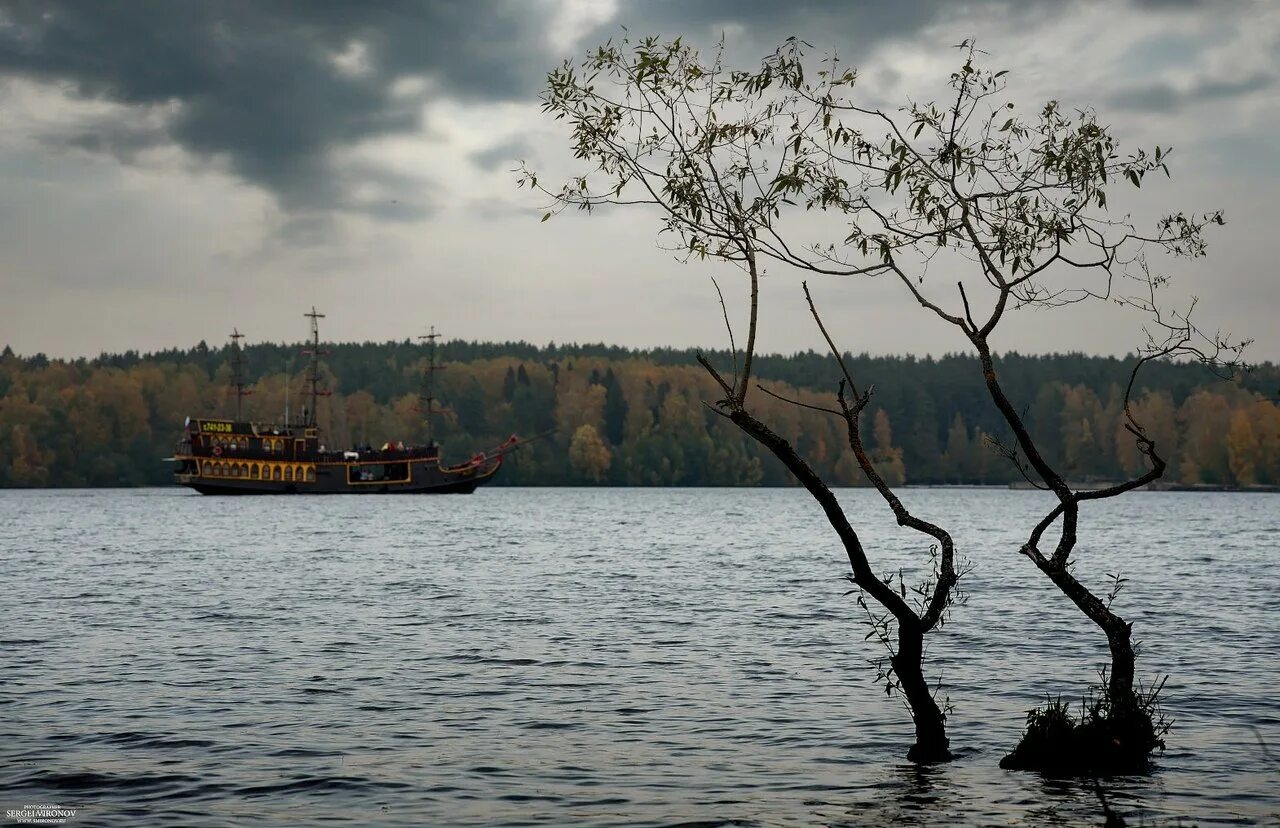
column 637, row 657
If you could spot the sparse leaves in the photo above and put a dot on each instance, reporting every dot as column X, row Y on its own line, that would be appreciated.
column 1018, row 198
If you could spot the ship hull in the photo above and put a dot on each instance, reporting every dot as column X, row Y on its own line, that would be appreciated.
column 423, row 478
column 250, row 488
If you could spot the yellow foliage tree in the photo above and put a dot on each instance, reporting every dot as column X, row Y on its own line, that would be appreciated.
column 27, row 467
column 888, row 458
column 1266, row 427
column 1156, row 411
column 1242, row 448
column 588, row 454
column 1206, row 419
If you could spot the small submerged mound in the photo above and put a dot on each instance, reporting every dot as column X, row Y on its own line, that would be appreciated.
column 1104, row 740
column 930, row 754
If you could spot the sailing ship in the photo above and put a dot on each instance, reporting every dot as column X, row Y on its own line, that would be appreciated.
column 239, row 456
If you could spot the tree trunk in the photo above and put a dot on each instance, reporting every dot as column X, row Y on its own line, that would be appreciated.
column 1120, row 680
column 931, row 734
column 1118, row 632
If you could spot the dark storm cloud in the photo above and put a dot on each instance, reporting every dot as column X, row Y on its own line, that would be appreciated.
column 764, row 22
column 257, row 84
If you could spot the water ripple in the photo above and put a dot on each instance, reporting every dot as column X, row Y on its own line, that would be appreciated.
column 603, row 657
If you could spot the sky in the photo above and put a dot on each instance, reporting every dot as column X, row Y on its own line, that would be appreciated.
column 169, row 171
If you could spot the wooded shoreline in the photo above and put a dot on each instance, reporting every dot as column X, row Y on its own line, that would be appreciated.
column 637, row 417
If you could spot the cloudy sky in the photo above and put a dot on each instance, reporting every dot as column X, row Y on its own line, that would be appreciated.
column 169, row 170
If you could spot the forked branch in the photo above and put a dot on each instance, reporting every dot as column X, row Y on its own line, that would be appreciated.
column 851, row 412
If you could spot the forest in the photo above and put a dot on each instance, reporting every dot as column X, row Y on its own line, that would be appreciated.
column 612, row 416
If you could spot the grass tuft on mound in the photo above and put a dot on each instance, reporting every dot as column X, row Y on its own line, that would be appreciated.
column 1104, row 740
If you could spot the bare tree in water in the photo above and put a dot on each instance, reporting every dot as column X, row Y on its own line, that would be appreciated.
column 1015, row 206
column 709, row 150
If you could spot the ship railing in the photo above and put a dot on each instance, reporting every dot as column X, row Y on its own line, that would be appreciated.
column 378, row 455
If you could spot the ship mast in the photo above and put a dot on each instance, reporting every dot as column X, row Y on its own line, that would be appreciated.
column 237, row 371
column 313, row 369
column 426, row 397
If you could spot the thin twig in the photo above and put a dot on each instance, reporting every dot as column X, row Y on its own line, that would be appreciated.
column 798, row 403
column 729, row 328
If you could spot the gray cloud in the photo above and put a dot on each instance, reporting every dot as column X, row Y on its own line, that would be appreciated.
column 1175, row 5
column 1225, row 89
column 262, row 85
column 258, row 84
column 123, row 140
column 1164, row 97
column 282, row 94
column 503, row 155
column 760, row 23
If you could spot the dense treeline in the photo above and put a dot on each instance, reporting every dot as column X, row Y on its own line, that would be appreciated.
column 637, row 417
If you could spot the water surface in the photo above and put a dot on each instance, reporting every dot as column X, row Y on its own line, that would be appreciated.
column 638, row 657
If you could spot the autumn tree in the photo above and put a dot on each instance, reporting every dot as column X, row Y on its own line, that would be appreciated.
column 1156, row 411
column 887, row 456
column 589, row 455
column 1243, row 448
column 1264, row 416
column 26, row 464
column 1082, row 435
column 1206, row 419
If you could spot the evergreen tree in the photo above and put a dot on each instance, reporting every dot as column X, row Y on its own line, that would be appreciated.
column 509, row 385
column 615, row 409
